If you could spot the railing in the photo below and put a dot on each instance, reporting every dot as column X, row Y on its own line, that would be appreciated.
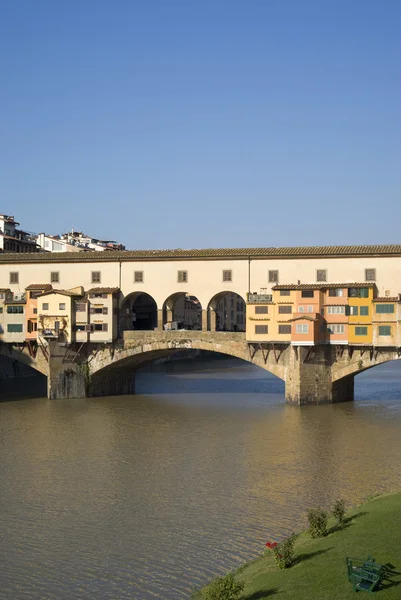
column 259, row 298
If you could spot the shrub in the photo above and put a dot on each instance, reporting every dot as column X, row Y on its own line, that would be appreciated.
column 283, row 552
column 317, row 519
column 338, row 511
column 223, row 588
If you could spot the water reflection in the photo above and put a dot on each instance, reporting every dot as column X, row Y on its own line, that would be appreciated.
column 145, row 496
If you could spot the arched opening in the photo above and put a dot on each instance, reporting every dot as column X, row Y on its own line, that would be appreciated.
column 182, row 311
column 227, row 312
column 139, row 312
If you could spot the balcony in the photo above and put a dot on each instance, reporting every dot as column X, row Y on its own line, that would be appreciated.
column 259, row 298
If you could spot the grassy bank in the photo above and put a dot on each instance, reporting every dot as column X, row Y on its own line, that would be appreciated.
column 320, row 573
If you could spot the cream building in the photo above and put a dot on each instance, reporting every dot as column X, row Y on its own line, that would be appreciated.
column 156, row 280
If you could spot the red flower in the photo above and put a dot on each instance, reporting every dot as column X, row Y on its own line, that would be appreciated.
column 268, row 545
column 274, row 544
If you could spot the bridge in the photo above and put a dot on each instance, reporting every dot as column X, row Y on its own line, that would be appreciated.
column 312, row 375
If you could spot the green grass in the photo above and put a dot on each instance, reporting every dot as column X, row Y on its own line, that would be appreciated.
column 320, row 572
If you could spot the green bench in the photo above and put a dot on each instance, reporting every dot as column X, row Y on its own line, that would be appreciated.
column 365, row 574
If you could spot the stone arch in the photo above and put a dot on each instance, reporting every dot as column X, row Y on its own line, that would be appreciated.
column 362, row 362
column 141, row 351
column 183, row 310
column 139, row 311
column 226, row 311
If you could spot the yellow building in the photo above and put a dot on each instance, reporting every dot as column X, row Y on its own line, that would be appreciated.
column 386, row 321
column 56, row 314
column 360, row 307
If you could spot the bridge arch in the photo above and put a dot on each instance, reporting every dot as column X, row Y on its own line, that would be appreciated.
column 226, row 311
column 139, row 311
column 139, row 351
column 184, row 310
column 361, row 362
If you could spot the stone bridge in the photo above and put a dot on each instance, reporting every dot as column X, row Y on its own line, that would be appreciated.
column 312, row 375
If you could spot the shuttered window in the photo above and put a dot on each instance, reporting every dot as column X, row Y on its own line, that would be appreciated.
column 285, row 310
column 284, row 328
column 382, row 309
column 384, row 330
column 261, row 310
column 260, row 329
column 361, row 331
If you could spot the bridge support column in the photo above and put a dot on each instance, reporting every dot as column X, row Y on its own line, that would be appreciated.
column 204, row 320
column 65, row 379
column 212, row 318
column 160, row 324
column 308, row 378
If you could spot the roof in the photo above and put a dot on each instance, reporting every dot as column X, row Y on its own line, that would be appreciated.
column 5, row 290
column 208, row 253
column 62, row 292
column 39, row 286
column 322, row 286
column 387, row 299
column 13, row 301
column 302, row 318
column 103, row 290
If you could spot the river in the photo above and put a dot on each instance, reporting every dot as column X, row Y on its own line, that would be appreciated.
column 147, row 496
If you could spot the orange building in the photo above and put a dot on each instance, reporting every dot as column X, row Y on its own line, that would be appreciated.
column 31, row 312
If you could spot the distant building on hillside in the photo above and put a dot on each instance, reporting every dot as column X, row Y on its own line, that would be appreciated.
column 75, row 241
column 13, row 239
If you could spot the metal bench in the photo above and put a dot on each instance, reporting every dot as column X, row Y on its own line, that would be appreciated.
column 364, row 574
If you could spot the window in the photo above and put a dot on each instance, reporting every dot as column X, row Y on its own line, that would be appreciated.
column 138, row 276
column 384, row 330
column 370, row 274
column 100, row 327
column 335, row 329
column 321, row 275
column 54, row 277
column 14, row 327
column 45, row 306
column 361, row 331
column 364, row 312
column 307, row 293
column 353, row 311
column 61, row 306
column 335, row 292
column 285, row 310
column 80, row 327
column 227, row 276
column 358, row 292
column 382, row 309
column 182, row 276
column 98, row 310
column 15, row 310
column 14, row 277
column 336, row 310
column 285, row 292
column 302, row 328
column 96, row 278
column 1, row 310
column 261, row 329
column 301, row 308
column 284, row 328
column 310, row 309
column 273, row 276
column 35, row 311
column 261, row 310
column 80, row 307
column 105, row 310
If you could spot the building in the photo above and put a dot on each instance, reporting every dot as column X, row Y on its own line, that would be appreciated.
column 13, row 239
column 33, row 291
column 75, row 241
column 97, row 315
column 14, row 319
column 56, row 314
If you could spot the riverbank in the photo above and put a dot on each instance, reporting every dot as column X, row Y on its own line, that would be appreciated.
column 320, row 572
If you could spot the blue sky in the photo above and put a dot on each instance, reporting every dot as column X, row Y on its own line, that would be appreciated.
column 183, row 123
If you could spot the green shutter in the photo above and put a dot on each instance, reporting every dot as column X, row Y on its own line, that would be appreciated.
column 364, row 293
column 384, row 309
column 384, row 330
column 361, row 331
column 364, row 311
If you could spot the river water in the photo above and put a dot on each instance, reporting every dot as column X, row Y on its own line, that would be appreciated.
column 147, row 496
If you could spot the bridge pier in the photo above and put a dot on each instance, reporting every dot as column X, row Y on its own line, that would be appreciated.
column 308, row 377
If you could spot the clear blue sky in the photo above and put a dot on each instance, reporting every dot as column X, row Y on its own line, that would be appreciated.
column 203, row 123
